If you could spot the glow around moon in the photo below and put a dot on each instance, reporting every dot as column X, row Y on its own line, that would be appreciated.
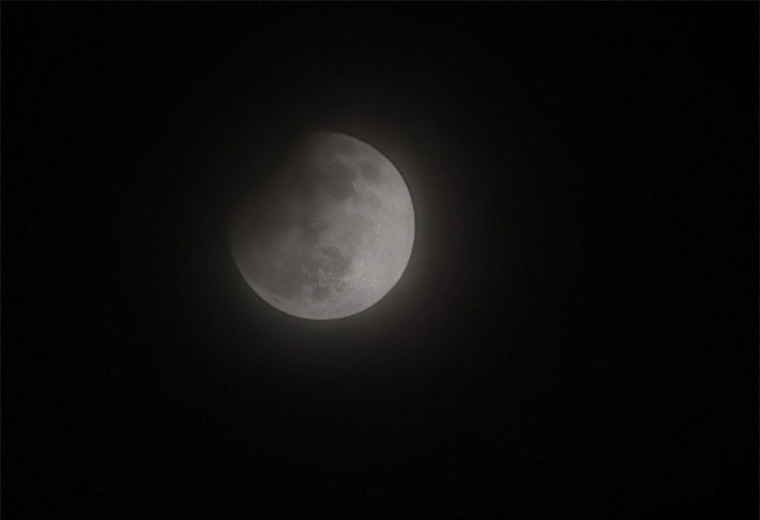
column 331, row 235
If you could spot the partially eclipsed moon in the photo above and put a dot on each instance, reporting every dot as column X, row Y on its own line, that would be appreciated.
column 333, row 233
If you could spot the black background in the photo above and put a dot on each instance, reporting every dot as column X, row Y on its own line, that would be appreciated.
column 575, row 335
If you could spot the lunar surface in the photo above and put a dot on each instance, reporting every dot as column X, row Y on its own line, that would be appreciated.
column 331, row 234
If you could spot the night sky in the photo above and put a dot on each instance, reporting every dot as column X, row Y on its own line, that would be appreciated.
column 576, row 334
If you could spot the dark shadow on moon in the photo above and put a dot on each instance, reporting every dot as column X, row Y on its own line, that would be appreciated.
column 321, row 269
column 299, row 202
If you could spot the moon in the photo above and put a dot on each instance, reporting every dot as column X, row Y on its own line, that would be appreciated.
column 330, row 235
